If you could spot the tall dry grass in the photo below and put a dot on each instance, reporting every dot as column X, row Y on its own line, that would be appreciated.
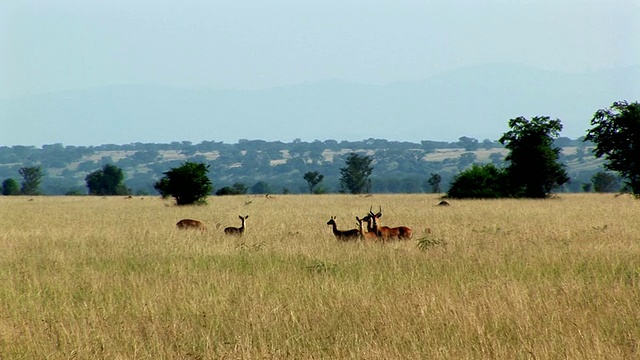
column 113, row 278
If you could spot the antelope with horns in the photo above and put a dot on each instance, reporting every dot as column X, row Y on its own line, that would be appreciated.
column 385, row 232
column 190, row 224
column 345, row 235
column 235, row 230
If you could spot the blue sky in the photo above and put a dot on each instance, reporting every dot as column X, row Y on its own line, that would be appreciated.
column 55, row 46
column 75, row 44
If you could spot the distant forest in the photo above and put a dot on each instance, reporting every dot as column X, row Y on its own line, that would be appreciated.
column 278, row 167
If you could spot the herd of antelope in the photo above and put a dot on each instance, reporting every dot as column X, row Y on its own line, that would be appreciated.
column 373, row 231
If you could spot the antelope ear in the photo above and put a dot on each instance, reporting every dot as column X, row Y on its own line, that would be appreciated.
column 246, row 217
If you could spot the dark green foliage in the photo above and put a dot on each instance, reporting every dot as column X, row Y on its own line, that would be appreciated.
column 107, row 181
column 616, row 133
column 236, row 189
column 261, row 187
column 10, row 187
column 533, row 169
column 434, row 182
column 312, row 178
column 188, row 184
column 74, row 192
column 354, row 178
column 468, row 144
column 31, row 178
column 479, row 182
column 226, row 190
column 604, row 182
column 162, row 186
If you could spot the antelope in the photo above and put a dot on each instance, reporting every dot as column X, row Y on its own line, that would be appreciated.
column 385, row 232
column 366, row 235
column 345, row 235
column 237, row 231
column 190, row 224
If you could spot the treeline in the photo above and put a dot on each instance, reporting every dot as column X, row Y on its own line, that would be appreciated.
column 277, row 167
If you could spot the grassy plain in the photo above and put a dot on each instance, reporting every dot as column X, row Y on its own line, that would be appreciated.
column 90, row 277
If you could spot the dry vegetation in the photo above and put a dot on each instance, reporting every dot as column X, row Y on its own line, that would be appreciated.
column 113, row 278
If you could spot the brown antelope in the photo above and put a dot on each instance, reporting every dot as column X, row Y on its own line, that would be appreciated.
column 237, row 231
column 368, row 234
column 385, row 232
column 353, row 234
column 190, row 224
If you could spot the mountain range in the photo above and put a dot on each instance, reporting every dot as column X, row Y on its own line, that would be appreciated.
column 475, row 102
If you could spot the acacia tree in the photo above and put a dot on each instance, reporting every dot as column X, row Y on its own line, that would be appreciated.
column 31, row 178
column 533, row 169
column 616, row 133
column 107, row 181
column 188, row 184
column 355, row 176
column 313, row 178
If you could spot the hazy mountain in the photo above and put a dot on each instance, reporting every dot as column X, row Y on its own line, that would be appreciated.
column 476, row 102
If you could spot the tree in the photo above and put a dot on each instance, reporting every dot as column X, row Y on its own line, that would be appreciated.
column 533, row 170
column 466, row 159
column 236, row 189
column 107, row 181
column 616, row 133
column 469, row 144
column 480, row 182
column 188, row 184
column 604, row 182
column 10, row 187
column 313, row 178
column 261, row 187
column 434, row 182
column 31, row 178
column 355, row 176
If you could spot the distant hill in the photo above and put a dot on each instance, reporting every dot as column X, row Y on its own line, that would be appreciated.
column 475, row 101
column 399, row 167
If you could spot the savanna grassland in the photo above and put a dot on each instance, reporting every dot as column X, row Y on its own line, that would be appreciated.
column 90, row 277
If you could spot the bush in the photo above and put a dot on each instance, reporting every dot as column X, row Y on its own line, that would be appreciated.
column 188, row 184
column 481, row 182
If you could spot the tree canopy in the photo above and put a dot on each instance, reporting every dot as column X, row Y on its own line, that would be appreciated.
column 354, row 177
column 313, row 178
column 533, row 169
column 31, row 178
column 616, row 133
column 480, row 182
column 10, row 187
column 107, row 181
column 188, row 184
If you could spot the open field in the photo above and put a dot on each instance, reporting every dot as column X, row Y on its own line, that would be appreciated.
column 90, row 277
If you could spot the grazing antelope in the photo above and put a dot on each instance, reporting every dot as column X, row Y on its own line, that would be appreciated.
column 385, row 232
column 190, row 224
column 368, row 234
column 237, row 231
column 353, row 234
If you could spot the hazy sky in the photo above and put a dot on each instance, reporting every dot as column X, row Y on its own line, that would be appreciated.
column 76, row 44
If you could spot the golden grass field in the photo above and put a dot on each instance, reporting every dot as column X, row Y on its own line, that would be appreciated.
column 112, row 278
